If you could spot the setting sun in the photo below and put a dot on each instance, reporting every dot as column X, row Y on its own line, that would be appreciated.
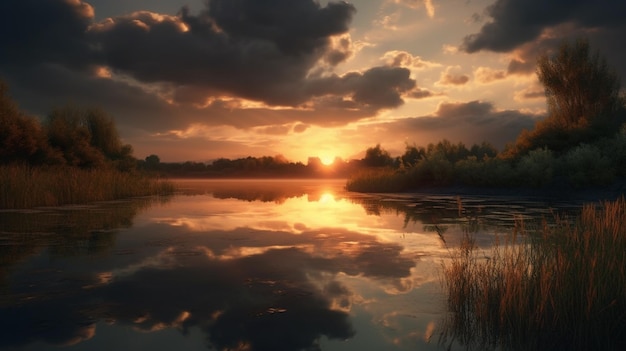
column 327, row 160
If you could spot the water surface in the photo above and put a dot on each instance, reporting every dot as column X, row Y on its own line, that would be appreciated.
column 239, row 265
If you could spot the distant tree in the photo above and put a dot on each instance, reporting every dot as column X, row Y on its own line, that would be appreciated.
column 152, row 162
column 449, row 151
column 377, row 157
column 484, row 150
column 412, row 154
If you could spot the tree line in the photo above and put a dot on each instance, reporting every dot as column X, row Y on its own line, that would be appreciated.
column 68, row 136
column 581, row 142
column 265, row 166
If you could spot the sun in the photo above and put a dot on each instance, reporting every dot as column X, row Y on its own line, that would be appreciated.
column 327, row 160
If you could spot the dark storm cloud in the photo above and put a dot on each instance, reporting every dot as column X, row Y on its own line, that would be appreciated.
column 519, row 24
column 515, row 22
column 172, row 70
column 376, row 88
column 250, row 49
column 469, row 122
column 45, row 30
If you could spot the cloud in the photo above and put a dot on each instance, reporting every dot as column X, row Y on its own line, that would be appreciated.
column 301, row 128
column 532, row 92
column 535, row 25
column 237, row 48
column 452, row 76
column 398, row 58
column 415, row 4
column 50, row 31
column 376, row 88
column 468, row 122
column 162, row 72
column 206, row 285
column 420, row 93
column 487, row 75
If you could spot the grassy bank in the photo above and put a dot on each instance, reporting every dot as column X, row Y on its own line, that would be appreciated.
column 27, row 187
column 382, row 180
column 561, row 288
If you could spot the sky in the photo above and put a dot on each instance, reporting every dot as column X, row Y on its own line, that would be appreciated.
column 194, row 80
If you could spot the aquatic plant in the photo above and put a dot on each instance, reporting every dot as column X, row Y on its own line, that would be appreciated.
column 377, row 180
column 561, row 287
column 27, row 187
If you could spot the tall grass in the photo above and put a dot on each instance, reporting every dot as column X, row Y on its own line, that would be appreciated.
column 384, row 180
column 27, row 187
column 561, row 288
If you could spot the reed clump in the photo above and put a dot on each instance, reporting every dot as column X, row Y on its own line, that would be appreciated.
column 28, row 187
column 563, row 287
column 384, row 180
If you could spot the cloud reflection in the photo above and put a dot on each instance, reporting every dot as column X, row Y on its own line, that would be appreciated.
column 281, row 292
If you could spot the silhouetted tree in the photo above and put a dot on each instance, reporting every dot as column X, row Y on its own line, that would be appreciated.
column 152, row 162
column 412, row 154
column 581, row 89
column 87, row 138
column 377, row 157
column 583, row 99
column 68, row 133
column 21, row 136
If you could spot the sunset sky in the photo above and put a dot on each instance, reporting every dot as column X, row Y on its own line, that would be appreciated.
column 197, row 80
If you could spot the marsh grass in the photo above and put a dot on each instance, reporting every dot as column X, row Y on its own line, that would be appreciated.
column 384, row 180
column 563, row 287
column 28, row 187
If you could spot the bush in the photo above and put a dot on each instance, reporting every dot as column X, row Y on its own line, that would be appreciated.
column 585, row 165
column 537, row 168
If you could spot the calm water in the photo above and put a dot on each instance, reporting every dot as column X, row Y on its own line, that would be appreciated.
column 239, row 265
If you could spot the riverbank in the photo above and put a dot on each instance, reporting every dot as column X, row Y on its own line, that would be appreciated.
column 27, row 187
column 390, row 182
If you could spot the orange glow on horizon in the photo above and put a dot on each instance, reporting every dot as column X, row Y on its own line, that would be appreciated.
column 327, row 160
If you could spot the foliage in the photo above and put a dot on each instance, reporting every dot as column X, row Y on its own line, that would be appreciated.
column 583, row 101
column 561, row 288
column 21, row 137
column 580, row 87
column 377, row 180
column 377, row 157
column 87, row 138
column 536, row 168
column 586, row 165
column 434, row 169
column 76, row 156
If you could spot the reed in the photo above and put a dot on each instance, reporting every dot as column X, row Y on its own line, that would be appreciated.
column 383, row 180
column 563, row 287
column 28, row 187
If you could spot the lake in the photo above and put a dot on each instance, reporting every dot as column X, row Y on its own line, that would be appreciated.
column 241, row 265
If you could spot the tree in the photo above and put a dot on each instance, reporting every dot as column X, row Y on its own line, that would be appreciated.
column 581, row 89
column 377, row 157
column 21, row 136
column 68, row 133
column 87, row 138
column 583, row 100
column 104, row 136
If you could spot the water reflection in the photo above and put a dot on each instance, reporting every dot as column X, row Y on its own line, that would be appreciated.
column 231, row 265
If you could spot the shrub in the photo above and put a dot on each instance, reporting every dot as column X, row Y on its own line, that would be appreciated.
column 537, row 168
column 585, row 165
